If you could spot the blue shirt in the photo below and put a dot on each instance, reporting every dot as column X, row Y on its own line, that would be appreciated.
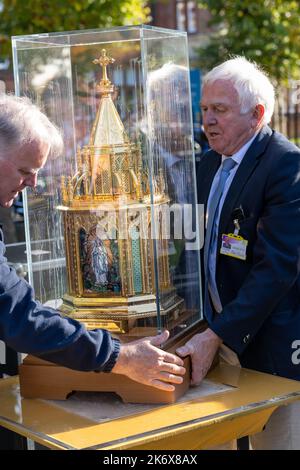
column 29, row 327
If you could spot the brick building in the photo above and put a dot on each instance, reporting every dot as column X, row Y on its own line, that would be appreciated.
column 184, row 15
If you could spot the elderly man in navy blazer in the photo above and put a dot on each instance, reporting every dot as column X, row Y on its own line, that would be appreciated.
column 27, row 139
column 249, row 183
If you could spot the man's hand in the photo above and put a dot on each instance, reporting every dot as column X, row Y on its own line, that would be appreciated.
column 144, row 362
column 202, row 349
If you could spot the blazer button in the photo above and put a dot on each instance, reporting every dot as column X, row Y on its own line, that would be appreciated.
column 246, row 339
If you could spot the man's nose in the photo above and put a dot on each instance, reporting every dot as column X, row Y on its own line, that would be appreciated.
column 209, row 118
column 31, row 180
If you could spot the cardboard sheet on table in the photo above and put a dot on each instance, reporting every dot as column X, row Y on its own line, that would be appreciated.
column 103, row 406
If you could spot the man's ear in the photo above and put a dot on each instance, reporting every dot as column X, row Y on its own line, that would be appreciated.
column 258, row 114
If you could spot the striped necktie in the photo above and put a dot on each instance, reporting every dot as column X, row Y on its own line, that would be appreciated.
column 211, row 234
column 227, row 166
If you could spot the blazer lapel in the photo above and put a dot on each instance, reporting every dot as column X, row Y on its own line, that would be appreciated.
column 246, row 168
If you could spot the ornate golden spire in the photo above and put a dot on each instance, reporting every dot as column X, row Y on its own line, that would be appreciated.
column 108, row 128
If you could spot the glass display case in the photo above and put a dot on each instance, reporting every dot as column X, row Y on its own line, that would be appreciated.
column 111, row 229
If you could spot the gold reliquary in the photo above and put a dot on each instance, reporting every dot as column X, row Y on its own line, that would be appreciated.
column 116, row 253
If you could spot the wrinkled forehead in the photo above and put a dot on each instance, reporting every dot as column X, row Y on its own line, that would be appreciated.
column 219, row 91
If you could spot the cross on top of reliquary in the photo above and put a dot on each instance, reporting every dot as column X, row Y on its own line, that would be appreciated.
column 104, row 60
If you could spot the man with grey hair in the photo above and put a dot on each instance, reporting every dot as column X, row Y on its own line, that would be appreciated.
column 249, row 184
column 27, row 138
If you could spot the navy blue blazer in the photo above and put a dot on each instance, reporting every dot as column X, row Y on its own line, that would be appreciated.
column 29, row 327
column 260, row 319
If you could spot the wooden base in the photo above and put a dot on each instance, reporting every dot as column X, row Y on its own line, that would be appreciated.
column 42, row 379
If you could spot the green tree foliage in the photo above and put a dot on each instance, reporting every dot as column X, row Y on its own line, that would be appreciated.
column 19, row 17
column 267, row 32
